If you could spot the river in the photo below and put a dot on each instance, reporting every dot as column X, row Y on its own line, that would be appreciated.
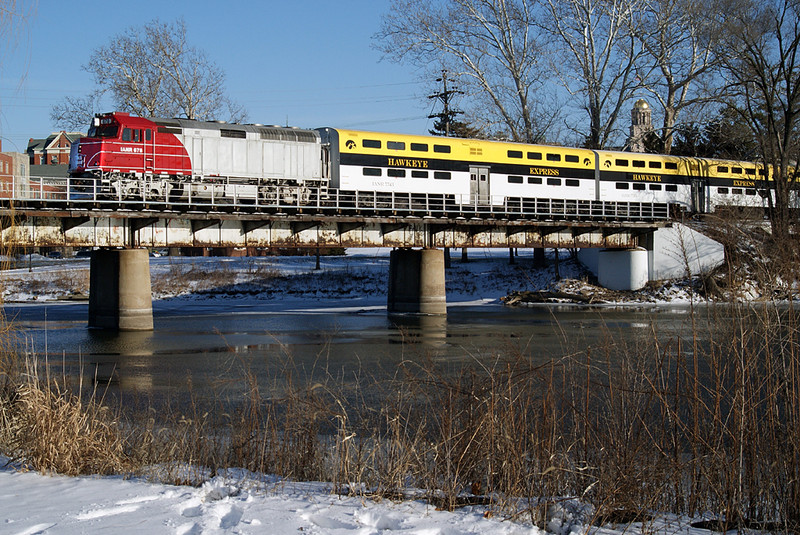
column 212, row 343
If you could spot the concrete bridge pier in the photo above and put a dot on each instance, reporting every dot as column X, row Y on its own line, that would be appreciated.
column 120, row 296
column 416, row 282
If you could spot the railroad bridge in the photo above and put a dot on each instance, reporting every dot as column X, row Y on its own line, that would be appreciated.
column 417, row 226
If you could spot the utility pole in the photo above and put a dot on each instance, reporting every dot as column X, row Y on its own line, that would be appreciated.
column 447, row 114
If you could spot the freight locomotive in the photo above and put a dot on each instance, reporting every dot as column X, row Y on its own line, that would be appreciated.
column 178, row 160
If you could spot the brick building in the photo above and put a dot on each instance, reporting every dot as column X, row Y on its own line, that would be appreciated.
column 14, row 173
column 53, row 150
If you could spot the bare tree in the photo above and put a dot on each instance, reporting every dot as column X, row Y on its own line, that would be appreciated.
column 488, row 46
column 761, row 54
column 679, row 61
column 598, row 52
column 74, row 113
column 152, row 71
column 14, row 16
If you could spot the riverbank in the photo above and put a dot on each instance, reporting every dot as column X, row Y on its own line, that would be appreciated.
column 487, row 276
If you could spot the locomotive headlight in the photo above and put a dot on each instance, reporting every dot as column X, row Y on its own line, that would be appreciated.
column 96, row 121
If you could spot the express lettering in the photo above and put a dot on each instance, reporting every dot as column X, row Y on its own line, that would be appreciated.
column 744, row 183
column 545, row 171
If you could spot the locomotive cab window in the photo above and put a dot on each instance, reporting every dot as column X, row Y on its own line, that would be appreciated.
column 148, row 135
column 371, row 144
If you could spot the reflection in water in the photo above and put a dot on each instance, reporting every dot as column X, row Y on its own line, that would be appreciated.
column 215, row 347
column 429, row 330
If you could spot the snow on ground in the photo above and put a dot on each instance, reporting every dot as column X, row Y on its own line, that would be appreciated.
column 361, row 274
column 244, row 503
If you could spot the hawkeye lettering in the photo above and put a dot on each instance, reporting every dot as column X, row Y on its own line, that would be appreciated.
column 406, row 162
column 646, row 178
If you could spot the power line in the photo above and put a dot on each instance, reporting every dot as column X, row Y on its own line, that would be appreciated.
column 447, row 115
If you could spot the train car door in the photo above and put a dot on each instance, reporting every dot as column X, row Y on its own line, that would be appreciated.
column 479, row 186
column 149, row 150
column 698, row 195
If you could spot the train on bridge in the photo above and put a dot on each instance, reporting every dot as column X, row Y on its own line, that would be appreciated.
column 125, row 157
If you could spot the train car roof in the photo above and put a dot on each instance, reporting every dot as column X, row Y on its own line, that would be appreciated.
column 276, row 132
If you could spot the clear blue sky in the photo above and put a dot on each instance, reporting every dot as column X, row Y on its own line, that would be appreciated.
column 309, row 62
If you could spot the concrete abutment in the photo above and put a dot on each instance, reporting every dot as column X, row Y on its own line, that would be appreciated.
column 120, row 295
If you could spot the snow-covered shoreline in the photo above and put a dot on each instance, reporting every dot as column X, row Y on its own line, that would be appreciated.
column 487, row 277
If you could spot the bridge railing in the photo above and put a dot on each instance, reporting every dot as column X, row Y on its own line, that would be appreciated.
column 218, row 194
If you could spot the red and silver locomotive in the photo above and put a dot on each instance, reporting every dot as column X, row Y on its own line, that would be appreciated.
column 180, row 159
